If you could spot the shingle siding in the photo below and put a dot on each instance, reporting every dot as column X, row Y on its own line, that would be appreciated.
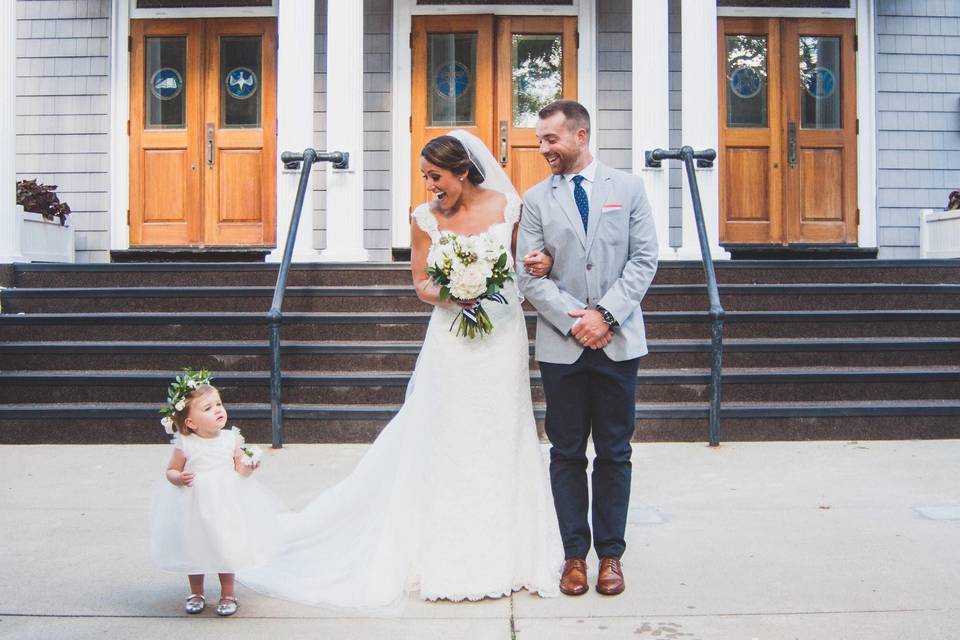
column 377, row 123
column 613, row 129
column 62, row 105
column 675, row 197
column 918, row 137
column 320, row 123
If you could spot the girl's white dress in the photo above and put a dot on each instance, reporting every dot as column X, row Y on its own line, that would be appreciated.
column 223, row 523
column 452, row 499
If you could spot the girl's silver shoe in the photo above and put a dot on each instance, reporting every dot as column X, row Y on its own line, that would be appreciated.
column 195, row 603
column 227, row 608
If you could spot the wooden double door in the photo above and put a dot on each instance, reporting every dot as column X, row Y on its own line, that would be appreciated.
column 489, row 75
column 203, row 132
column 788, row 131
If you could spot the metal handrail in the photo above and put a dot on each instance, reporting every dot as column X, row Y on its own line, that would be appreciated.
column 704, row 158
column 304, row 161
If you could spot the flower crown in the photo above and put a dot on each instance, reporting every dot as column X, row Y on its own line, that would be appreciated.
column 177, row 394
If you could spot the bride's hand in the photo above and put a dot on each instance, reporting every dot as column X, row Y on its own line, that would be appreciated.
column 463, row 304
column 538, row 263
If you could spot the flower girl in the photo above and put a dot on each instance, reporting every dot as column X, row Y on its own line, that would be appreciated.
column 210, row 516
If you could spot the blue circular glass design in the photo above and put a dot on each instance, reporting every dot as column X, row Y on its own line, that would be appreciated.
column 241, row 83
column 821, row 83
column 745, row 82
column 166, row 83
column 452, row 80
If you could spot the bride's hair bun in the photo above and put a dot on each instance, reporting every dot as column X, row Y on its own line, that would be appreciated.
column 449, row 153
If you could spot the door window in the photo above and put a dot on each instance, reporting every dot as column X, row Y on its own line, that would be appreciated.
column 820, row 82
column 452, row 61
column 747, row 81
column 240, row 62
column 537, row 75
column 165, row 83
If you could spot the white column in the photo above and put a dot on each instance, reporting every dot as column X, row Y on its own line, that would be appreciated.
column 295, row 42
column 699, row 120
column 651, row 107
column 119, row 112
column 867, row 140
column 9, row 213
column 345, row 131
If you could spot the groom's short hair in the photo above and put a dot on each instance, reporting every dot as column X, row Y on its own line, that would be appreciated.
column 576, row 114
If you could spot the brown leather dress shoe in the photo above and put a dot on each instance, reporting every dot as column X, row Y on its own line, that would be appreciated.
column 573, row 582
column 610, row 579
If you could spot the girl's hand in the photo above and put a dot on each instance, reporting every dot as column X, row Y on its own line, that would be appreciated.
column 244, row 469
column 538, row 263
column 185, row 479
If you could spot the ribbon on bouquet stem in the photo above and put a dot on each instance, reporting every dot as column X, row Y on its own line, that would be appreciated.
column 474, row 320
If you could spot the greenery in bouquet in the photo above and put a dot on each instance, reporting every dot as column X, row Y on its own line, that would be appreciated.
column 470, row 268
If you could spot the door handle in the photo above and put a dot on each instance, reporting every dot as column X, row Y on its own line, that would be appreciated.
column 209, row 144
column 792, row 144
column 503, row 143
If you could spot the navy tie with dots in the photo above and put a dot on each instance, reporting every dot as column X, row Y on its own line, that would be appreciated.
column 580, row 197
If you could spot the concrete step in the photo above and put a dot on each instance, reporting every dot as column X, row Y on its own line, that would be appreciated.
column 253, row 355
column 659, row 422
column 398, row 273
column 389, row 387
column 402, row 299
column 412, row 325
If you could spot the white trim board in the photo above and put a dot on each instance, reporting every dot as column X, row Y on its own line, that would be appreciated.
column 205, row 12
column 403, row 12
column 773, row 12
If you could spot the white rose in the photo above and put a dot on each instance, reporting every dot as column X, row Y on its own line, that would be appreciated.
column 167, row 424
column 180, row 404
column 485, row 267
column 492, row 249
column 439, row 256
column 467, row 283
column 192, row 384
column 472, row 245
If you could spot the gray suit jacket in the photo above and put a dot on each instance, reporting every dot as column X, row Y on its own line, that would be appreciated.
column 612, row 264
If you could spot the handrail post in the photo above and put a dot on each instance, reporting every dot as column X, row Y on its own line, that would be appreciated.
column 275, row 315
column 704, row 158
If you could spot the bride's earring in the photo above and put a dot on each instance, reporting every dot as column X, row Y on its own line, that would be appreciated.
column 461, row 178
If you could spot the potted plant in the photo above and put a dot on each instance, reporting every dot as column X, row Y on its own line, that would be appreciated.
column 940, row 230
column 45, row 236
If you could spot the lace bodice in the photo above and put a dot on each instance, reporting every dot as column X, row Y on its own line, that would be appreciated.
column 428, row 222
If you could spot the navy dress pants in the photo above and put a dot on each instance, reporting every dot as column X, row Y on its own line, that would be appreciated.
column 597, row 396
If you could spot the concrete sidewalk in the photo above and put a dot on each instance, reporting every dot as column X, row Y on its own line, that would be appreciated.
column 794, row 540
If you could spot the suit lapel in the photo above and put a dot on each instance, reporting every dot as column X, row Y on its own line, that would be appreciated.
column 598, row 195
column 561, row 193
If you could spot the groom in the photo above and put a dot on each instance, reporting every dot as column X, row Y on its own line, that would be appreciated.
column 596, row 223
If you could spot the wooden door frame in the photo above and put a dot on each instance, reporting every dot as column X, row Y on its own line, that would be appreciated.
column 193, row 110
column 752, row 138
column 202, row 229
column 785, row 230
column 793, row 232
column 401, row 72
column 235, row 138
column 483, row 26
column 504, row 25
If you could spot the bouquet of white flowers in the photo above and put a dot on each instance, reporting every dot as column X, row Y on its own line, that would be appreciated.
column 470, row 268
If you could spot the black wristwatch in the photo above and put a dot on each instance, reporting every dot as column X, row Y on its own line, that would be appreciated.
column 608, row 317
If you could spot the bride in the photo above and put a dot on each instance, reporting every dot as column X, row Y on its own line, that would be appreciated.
column 451, row 500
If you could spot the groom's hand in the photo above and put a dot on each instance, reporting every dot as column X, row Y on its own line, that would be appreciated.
column 590, row 328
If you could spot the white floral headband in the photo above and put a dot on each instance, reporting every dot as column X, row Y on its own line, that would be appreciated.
column 177, row 394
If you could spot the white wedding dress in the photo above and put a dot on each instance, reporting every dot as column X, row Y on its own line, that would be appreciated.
column 452, row 499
